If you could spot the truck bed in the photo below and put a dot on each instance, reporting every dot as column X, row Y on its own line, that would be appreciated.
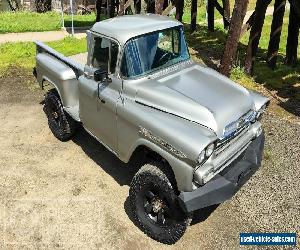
column 62, row 73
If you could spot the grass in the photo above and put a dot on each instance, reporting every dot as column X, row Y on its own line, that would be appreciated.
column 205, row 47
column 22, row 21
column 23, row 54
column 201, row 12
column 283, row 77
column 30, row 21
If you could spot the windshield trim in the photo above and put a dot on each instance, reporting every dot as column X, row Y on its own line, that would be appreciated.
column 154, row 71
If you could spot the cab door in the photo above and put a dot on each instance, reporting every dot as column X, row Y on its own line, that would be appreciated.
column 98, row 100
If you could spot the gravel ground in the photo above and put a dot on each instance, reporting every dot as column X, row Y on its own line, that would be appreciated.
column 73, row 195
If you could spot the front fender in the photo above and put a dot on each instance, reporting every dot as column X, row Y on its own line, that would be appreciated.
column 177, row 140
column 182, row 170
column 258, row 99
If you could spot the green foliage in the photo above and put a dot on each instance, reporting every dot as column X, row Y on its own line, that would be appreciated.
column 30, row 21
column 208, row 47
column 201, row 12
column 265, row 36
column 23, row 54
column 283, row 78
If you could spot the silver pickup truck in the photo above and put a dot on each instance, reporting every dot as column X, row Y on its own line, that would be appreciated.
column 194, row 132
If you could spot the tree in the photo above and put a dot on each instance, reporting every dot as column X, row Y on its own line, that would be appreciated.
column 166, row 4
column 194, row 15
column 121, row 7
column 279, row 9
column 226, row 13
column 159, row 4
column 238, row 15
column 138, row 6
column 248, row 25
column 295, row 4
column 292, row 40
column 112, row 8
column 151, row 6
column 222, row 11
column 255, row 34
column 211, row 15
column 179, row 9
column 98, row 10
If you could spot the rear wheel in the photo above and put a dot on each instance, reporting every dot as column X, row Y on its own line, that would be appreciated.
column 60, row 123
column 155, row 206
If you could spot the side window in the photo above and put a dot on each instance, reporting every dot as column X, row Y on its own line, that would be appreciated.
column 105, row 54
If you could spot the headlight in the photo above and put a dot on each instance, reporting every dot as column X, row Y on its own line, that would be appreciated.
column 206, row 153
column 201, row 156
column 209, row 150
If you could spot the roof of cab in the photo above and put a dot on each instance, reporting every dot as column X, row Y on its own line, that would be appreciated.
column 125, row 27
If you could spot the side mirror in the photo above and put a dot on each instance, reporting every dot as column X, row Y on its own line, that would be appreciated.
column 100, row 75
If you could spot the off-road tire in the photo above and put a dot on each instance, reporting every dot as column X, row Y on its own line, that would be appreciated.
column 151, row 177
column 61, row 124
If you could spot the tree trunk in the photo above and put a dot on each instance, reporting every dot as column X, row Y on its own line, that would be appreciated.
column 255, row 33
column 279, row 9
column 151, row 6
column 194, row 15
column 295, row 4
column 220, row 9
column 226, row 16
column 112, row 8
column 98, row 10
column 179, row 9
column 166, row 4
column 159, row 4
column 238, row 15
column 248, row 25
column 138, row 6
column 121, row 7
column 211, row 15
column 292, row 40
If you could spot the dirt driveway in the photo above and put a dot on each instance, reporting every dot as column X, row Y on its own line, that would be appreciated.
column 73, row 195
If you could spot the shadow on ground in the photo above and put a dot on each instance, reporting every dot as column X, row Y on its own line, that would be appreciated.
column 283, row 82
column 121, row 172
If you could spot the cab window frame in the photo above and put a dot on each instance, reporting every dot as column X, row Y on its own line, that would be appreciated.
column 149, row 33
column 91, row 50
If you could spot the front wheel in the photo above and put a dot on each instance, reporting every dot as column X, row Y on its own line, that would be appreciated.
column 155, row 207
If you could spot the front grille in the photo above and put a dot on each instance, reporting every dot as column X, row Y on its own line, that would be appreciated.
column 228, row 151
column 224, row 144
column 232, row 129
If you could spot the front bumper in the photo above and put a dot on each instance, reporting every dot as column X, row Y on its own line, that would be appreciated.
column 225, row 184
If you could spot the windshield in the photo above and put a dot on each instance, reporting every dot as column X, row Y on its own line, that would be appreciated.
column 147, row 53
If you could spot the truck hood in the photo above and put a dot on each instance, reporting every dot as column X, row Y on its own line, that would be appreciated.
column 198, row 94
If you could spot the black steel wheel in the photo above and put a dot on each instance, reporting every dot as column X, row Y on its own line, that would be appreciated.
column 60, row 123
column 155, row 206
